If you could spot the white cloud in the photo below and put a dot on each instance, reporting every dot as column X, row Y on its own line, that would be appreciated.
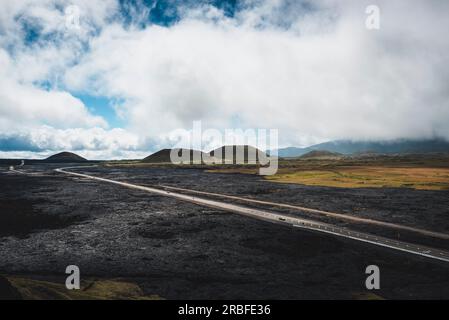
column 313, row 71
column 50, row 119
column 23, row 104
column 325, row 77
column 93, row 143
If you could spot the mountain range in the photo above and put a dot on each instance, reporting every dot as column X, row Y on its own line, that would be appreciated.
column 348, row 147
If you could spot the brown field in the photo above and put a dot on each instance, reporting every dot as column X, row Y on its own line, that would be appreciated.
column 368, row 176
column 417, row 172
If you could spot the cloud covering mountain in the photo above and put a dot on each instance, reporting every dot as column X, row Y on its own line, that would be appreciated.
column 309, row 68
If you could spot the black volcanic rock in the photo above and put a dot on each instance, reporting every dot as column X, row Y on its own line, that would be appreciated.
column 65, row 157
column 7, row 291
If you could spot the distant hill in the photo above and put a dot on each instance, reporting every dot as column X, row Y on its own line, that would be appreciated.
column 385, row 147
column 321, row 154
column 228, row 154
column 163, row 156
column 65, row 157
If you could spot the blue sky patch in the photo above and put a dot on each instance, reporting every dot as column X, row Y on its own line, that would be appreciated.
column 104, row 107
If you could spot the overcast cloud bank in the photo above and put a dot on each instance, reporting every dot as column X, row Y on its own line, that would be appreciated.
column 311, row 70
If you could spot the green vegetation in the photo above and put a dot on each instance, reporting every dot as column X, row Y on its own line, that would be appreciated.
column 322, row 154
column 31, row 289
column 366, row 296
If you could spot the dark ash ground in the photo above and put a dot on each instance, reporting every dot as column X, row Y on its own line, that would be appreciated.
column 183, row 251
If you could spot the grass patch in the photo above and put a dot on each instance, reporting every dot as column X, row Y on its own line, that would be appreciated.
column 368, row 176
column 115, row 289
column 422, row 172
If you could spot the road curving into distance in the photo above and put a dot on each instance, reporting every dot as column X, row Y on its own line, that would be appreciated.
column 306, row 224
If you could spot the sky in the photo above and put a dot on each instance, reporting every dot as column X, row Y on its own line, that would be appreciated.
column 112, row 79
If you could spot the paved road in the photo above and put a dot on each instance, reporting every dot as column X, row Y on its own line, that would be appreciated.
column 320, row 212
column 280, row 218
